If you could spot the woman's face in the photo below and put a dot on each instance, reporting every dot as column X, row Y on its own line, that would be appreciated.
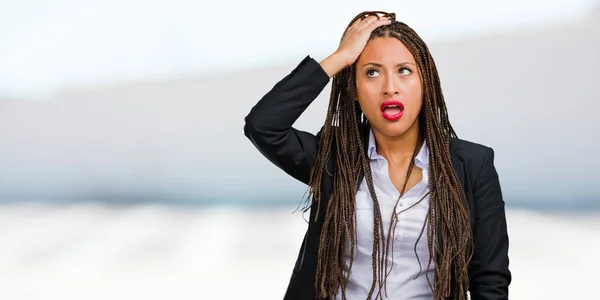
column 389, row 87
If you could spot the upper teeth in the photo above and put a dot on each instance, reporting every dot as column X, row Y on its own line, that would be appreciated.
column 392, row 106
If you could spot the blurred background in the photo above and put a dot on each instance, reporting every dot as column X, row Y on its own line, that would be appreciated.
column 125, row 174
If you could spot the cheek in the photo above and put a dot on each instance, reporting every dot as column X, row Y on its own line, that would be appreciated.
column 367, row 97
column 366, row 106
column 414, row 95
column 414, row 88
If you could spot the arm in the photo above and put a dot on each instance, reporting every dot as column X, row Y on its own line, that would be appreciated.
column 490, row 276
column 269, row 123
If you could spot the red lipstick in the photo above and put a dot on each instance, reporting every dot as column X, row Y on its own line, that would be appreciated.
column 392, row 110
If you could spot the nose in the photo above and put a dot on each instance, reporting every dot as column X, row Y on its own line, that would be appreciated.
column 390, row 87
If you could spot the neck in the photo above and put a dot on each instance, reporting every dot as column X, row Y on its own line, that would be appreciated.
column 397, row 149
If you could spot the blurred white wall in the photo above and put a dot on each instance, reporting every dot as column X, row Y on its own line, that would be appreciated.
column 523, row 83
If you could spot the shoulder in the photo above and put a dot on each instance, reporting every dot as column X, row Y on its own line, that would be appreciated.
column 469, row 149
column 474, row 155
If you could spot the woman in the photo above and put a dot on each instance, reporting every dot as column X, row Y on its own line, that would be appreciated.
column 401, row 208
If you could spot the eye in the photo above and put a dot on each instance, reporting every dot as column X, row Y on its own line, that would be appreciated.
column 405, row 71
column 371, row 72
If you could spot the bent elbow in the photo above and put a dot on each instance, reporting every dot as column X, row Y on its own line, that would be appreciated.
column 250, row 126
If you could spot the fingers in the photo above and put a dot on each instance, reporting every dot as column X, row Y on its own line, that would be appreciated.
column 378, row 22
column 372, row 22
column 362, row 23
column 369, row 23
column 356, row 23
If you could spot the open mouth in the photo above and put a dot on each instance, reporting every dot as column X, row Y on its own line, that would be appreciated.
column 392, row 110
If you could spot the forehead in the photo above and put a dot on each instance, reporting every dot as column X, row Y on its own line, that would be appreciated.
column 386, row 50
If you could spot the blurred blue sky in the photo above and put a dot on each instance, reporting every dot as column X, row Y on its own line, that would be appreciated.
column 49, row 44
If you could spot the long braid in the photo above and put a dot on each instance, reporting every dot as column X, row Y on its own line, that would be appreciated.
column 346, row 129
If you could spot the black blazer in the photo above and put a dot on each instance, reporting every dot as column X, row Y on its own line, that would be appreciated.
column 269, row 128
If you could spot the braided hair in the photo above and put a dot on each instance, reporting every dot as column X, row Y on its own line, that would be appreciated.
column 448, row 228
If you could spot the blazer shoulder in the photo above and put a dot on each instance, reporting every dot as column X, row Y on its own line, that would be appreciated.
column 466, row 148
column 473, row 155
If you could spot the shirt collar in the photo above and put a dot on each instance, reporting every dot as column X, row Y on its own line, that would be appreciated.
column 422, row 157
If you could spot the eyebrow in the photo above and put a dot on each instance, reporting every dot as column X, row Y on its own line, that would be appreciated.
column 380, row 65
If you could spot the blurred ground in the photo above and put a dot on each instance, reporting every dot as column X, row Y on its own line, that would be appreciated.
column 149, row 252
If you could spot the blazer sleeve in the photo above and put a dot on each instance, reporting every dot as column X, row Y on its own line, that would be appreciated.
column 490, row 275
column 269, row 124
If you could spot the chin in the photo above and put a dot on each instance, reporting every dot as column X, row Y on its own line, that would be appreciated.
column 395, row 128
column 392, row 129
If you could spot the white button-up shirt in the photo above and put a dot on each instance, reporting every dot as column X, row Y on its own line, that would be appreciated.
column 407, row 278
